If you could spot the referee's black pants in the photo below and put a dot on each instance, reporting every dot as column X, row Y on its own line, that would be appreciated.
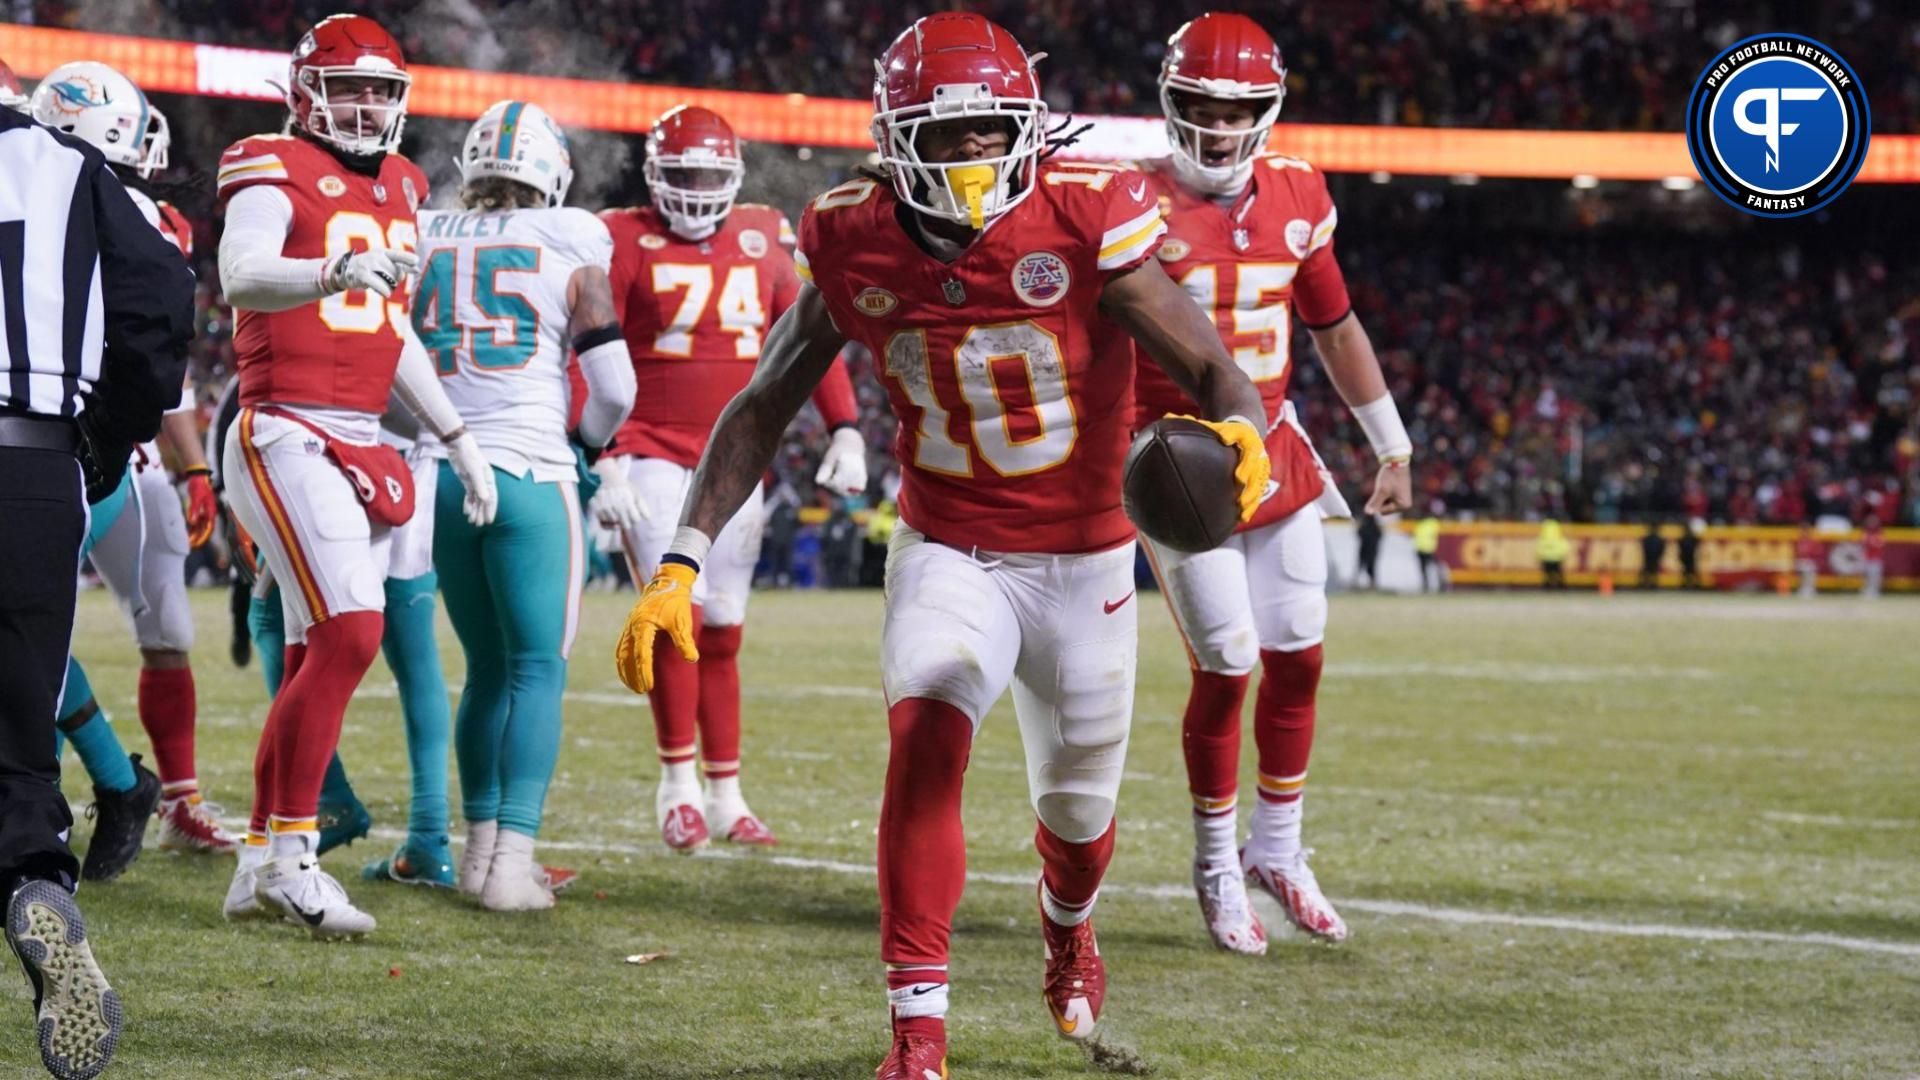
column 43, row 518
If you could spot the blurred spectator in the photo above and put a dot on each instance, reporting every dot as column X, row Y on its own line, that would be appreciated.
column 1653, row 548
column 1873, row 550
column 1689, row 549
column 1552, row 548
column 1426, row 545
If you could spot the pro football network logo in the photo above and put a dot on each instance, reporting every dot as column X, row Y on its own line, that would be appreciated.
column 1778, row 125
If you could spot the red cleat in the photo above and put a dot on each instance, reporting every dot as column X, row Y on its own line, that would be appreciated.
column 1076, row 983
column 1291, row 882
column 559, row 878
column 751, row 831
column 914, row 1057
column 685, row 828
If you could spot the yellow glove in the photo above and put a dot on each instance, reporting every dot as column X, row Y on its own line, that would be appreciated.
column 666, row 606
column 1254, row 469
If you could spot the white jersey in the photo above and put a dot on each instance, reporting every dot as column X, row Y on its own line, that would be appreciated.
column 491, row 308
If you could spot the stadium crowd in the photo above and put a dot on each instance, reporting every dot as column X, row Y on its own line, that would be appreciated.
column 1599, row 64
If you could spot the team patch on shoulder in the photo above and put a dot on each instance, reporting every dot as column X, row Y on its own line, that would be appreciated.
column 1299, row 234
column 1173, row 249
column 1040, row 278
column 875, row 302
column 652, row 241
column 753, row 243
column 331, row 186
column 413, row 196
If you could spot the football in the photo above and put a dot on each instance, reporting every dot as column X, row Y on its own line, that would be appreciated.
column 1178, row 485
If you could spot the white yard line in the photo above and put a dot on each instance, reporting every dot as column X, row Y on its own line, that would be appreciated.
column 1839, row 822
column 1390, row 908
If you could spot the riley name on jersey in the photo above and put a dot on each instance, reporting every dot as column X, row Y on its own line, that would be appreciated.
column 1252, row 264
column 1012, row 389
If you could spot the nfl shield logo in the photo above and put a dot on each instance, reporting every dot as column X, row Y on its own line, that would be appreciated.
column 380, row 194
column 955, row 292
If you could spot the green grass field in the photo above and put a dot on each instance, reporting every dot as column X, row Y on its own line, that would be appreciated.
column 1574, row 837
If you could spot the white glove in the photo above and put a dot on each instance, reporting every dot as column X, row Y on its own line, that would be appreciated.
column 476, row 476
column 379, row 269
column 617, row 504
column 843, row 468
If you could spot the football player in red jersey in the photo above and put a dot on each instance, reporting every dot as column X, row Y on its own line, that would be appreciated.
column 1250, row 237
column 999, row 293
column 319, row 235
column 697, row 280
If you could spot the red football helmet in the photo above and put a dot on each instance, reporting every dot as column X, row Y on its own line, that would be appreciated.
column 693, row 169
column 11, row 95
column 946, row 67
column 341, row 47
column 1229, row 57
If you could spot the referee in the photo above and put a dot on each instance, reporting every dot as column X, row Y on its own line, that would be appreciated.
column 96, row 310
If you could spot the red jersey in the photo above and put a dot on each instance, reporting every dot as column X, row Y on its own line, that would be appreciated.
column 1014, row 393
column 1873, row 545
column 1251, row 265
column 340, row 351
column 175, row 227
column 695, row 313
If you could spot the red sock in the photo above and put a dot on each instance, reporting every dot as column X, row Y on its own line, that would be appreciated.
column 923, row 848
column 1072, row 873
column 1210, row 736
column 304, row 723
column 292, row 656
column 720, row 700
column 1283, row 720
column 166, row 711
column 675, row 698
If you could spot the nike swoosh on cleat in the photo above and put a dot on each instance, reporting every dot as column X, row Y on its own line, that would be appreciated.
column 1112, row 606
column 311, row 918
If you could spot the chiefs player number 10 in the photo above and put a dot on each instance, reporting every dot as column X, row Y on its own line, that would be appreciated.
column 362, row 311
column 1031, row 433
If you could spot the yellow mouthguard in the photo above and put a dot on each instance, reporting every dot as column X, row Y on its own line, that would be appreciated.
column 971, row 182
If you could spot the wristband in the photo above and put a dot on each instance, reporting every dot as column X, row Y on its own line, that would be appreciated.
column 1380, row 419
column 196, row 470
column 690, row 547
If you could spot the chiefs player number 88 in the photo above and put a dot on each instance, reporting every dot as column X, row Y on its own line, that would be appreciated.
column 362, row 311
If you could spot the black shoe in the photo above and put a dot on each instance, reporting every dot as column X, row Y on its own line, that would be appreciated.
column 120, row 825
column 240, row 644
column 76, row 1012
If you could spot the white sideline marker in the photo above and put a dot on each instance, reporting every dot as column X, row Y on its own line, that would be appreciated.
column 1395, row 908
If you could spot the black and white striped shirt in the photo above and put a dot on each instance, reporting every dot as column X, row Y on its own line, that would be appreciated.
column 96, row 307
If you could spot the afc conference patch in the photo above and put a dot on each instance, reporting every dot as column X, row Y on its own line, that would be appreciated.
column 1778, row 125
column 1040, row 278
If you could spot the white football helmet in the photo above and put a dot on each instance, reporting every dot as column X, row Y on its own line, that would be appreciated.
column 153, row 148
column 95, row 103
column 518, row 140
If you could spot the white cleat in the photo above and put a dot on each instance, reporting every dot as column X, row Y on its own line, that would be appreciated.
column 476, row 856
column 514, row 882
column 294, row 885
column 1291, row 882
column 241, row 903
column 1230, row 918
